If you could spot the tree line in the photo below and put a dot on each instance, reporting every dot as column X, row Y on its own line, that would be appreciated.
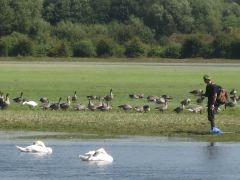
column 120, row 28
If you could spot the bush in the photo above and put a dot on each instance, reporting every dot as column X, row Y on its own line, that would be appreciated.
column 104, row 47
column 222, row 46
column 172, row 51
column 3, row 49
column 154, row 52
column 23, row 48
column 191, row 47
column 134, row 48
column 235, row 49
column 60, row 50
column 84, row 49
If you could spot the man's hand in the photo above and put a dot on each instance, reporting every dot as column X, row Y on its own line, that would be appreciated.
column 212, row 107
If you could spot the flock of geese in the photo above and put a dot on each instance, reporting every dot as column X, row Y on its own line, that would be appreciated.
column 99, row 155
column 104, row 103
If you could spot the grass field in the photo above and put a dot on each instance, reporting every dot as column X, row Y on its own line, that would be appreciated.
column 56, row 80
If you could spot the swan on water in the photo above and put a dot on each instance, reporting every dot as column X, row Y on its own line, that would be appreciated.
column 36, row 147
column 98, row 155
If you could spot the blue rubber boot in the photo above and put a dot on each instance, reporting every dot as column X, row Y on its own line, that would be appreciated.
column 216, row 131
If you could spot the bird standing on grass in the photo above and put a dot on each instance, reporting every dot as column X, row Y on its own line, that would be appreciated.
column 19, row 99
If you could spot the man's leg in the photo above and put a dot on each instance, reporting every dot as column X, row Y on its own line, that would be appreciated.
column 211, row 117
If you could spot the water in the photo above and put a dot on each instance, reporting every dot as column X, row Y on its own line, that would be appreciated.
column 134, row 158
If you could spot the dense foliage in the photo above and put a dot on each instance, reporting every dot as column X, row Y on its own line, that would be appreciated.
column 132, row 28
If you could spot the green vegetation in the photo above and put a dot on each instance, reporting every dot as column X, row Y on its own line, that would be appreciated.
column 126, row 28
column 55, row 80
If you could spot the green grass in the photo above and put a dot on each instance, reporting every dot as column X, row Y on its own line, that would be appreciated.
column 56, row 80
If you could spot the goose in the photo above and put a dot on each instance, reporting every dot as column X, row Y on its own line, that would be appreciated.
column 80, row 107
column 91, row 97
column 37, row 147
column 19, row 99
column 186, row 101
column 109, row 97
column 44, row 100
column 196, row 109
column 31, row 104
column 139, row 108
column 197, row 92
column 74, row 97
column 141, row 95
column 105, row 107
column 45, row 106
column 91, row 106
column 232, row 103
column 125, row 107
column 179, row 109
column 133, row 96
column 66, row 105
column 1, row 97
column 233, row 92
column 161, row 100
column 162, row 108
column 98, row 155
column 146, row 108
column 200, row 100
column 167, row 97
column 56, row 106
column 152, row 98
column 5, row 103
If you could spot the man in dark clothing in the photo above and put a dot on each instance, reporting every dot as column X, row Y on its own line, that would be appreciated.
column 211, row 93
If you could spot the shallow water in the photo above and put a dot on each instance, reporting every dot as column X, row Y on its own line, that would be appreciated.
column 134, row 158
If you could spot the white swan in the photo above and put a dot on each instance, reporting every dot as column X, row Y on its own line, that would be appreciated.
column 30, row 103
column 98, row 155
column 37, row 147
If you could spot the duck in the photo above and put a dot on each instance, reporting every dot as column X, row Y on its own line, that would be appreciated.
column 196, row 109
column 74, row 97
column 55, row 106
column 97, row 155
column 19, row 99
column 125, row 107
column 31, row 104
column 66, row 105
column 110, row 96
column 5, row 102
column 36, row 147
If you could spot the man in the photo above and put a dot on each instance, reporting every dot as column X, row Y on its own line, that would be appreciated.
column 211, row 93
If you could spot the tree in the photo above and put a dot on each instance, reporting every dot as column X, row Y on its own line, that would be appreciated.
column 6, row 17
column 191, row 47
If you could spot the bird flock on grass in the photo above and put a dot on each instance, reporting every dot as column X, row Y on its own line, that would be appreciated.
column 103, row 103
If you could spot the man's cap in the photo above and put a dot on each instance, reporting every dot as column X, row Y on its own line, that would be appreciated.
column 206, row 77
